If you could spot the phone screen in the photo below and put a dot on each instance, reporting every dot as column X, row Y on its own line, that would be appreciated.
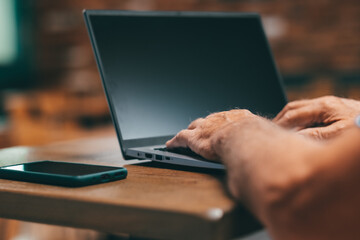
column 63, row 168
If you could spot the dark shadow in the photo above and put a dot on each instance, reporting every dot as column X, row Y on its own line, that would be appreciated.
column 245, row 223
column 161, row 165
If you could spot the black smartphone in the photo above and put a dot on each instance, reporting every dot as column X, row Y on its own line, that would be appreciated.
column 62, row 173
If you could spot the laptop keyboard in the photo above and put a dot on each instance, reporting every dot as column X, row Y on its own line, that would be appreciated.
column 183, row 151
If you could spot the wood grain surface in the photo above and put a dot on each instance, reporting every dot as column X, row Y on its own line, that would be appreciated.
column 155, row 201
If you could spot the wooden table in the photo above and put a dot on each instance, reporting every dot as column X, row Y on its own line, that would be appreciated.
column 153, row 202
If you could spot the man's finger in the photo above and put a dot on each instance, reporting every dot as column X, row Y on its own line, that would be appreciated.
column 291, row 106
column 196, row 123
column 324, row 132
column 180, row 140
column 300, row 117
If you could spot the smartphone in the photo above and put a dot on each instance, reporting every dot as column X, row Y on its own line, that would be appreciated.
column 62, row 173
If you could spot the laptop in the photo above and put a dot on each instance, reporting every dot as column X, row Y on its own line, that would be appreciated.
column 162, row 70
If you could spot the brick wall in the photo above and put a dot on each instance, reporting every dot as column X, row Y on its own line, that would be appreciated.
column 316, row 43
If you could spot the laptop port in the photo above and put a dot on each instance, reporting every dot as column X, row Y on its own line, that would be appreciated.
column 148, row 155
column 167, row 158
column 158, row 157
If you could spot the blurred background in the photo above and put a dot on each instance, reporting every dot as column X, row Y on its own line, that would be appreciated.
column 50, row 89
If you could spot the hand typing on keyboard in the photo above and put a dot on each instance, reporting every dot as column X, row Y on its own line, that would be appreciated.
column 180, row 150
column 203, row 132
column 279, row 174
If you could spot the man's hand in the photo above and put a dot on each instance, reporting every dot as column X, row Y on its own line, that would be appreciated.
column 321, row 118
column 299, row 188
column 200, row 133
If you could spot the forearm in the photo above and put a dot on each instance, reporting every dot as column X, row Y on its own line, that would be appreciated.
column 284, row 178
column 266, row 167
column 261, row 159
column 298, row 187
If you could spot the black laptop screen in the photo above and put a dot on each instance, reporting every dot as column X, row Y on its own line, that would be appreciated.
column 161, row 72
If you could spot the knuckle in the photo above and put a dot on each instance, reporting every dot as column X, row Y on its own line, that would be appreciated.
column 332, row 99
column 326, row 97
column 329, row 101
column 240, row 110
column 321, row 135
column 316, row 134
column 211, row 115
column 243, row 112
column 290, row 105
column 195, row 122
column 238, row 114
column 341, row 126
column 246, row 112
column 214, row 114
column 288, row 116
column 180, row 135
column 236, row 110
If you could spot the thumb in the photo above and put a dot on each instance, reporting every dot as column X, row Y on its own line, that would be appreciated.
column 324, row 132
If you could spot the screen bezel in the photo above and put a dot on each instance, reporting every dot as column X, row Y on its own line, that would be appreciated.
column 141, row 142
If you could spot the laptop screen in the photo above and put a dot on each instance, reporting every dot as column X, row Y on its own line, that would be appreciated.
column 161, row 72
